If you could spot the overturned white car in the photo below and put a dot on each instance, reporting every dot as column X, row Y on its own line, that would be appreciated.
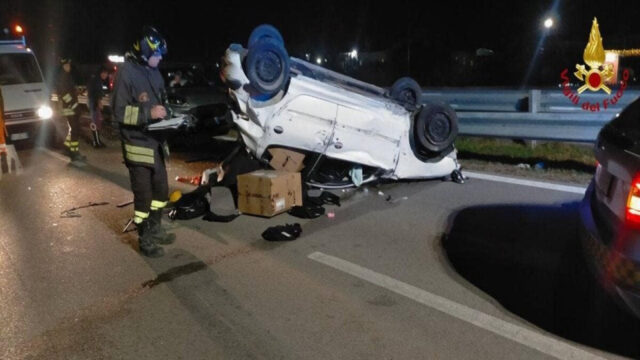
column 287, row 102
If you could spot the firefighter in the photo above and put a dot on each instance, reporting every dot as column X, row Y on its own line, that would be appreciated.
column 68, row 98
column 96, row 91
column 137, row 101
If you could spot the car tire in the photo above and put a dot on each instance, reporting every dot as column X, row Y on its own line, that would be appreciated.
column 435, row 127
column 406, row 91
column 267, row 67
column 265, row 31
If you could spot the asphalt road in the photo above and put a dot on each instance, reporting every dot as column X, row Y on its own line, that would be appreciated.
column 432, row 269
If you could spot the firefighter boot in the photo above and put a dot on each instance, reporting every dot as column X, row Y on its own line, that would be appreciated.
column 159, row 234
column 96, row 141
column 148, row 246
column 76, row 156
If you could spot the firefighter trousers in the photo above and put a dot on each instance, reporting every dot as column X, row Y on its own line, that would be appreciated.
column 150, row 188
column 72, row 141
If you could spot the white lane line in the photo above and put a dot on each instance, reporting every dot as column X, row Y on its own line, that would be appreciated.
column 532, row 339
column 54, row 154
column 536, row 184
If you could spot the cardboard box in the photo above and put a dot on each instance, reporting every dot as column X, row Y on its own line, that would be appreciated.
column 268, row 192
column 286, row 160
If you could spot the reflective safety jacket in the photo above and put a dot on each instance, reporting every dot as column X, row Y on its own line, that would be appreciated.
column 137, row 89
column 67, row 96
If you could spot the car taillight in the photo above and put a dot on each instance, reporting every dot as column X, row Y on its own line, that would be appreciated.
column 633, row 202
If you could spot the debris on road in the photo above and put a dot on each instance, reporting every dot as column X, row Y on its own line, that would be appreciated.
column 393, row 201
column 331, row 215
column 285, row 232
column 126, row 227
column 523, row 166
column 198, row 203
column 268, row 192
column 126, row 203
column 356, row 175
column 286, row 160
column 307, row 211
column 191, row 205
column 193, row 180
column 71, row 213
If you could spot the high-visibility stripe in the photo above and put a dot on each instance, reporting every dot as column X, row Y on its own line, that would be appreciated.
column 140, row 150
column 74, row 143
column 157, row 205
column 67, row 98
column 127, row 115
column 68, row 112
column 131, row 115
column 139, row 154
column 140, row 158
column 75, row 105
column 139, row 216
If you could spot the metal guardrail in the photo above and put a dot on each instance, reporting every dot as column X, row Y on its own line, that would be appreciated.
column 532, row 114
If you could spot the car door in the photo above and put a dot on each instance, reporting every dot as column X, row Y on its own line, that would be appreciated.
column 366, row 136
column 305, row 123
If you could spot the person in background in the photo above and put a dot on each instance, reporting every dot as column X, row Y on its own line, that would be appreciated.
column 177, row 80
column 96, row 88
column 68, row 98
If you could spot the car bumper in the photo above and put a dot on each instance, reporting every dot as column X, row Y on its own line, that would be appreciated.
column 618, row 274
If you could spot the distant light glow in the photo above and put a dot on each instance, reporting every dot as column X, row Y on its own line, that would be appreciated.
column 18, row 29
column 548, row 23
column 318, row 60
column 353, row 54
column 116, row 58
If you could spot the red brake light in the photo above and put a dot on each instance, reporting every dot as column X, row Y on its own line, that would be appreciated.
column 633, row 202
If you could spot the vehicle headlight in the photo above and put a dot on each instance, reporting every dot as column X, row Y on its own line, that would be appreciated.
column 45, row 112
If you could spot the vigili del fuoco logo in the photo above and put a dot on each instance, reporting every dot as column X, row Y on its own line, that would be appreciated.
column 597, row 73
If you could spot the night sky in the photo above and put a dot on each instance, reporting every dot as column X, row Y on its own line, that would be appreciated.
column 432, row 32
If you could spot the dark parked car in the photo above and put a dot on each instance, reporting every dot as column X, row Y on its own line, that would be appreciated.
column 190, row 91
column 610, row 210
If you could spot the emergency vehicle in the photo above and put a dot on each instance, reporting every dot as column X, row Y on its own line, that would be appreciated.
column 26, row 97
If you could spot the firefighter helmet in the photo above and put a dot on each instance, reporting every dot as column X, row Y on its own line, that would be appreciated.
column 151, row 43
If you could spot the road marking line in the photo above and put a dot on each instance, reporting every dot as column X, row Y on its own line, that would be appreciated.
column 536, row 184
column 54, row 154
column 532, row 339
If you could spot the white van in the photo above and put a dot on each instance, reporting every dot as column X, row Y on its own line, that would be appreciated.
column 26, row 97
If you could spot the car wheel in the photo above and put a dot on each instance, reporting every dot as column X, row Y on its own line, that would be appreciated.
column 267, row 67
column 265, row 31
column 435, row 127
column 406, row 91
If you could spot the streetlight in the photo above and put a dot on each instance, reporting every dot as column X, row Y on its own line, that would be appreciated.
column 353, row 54
column 319, row 60
column 548, row 23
